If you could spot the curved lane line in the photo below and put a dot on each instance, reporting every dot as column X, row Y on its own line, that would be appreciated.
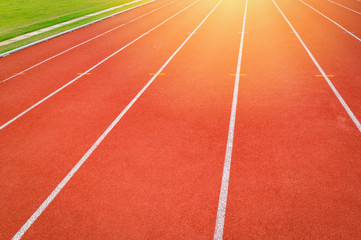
column 62, row 184
column 90, row 69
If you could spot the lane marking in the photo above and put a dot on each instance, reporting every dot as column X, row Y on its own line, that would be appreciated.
column 326, row 75
column 90, row 69
column 21, row 73
column 61, row 185
column 344, row 7
column 332, row 21
column 235, row 74
column 152, row 74
column 84, row 73
column 91, row 39
column 334, row 90
column 222, row 203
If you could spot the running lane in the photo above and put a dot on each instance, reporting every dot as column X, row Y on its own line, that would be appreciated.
column 40, row 148
column 339, row 54
column 295, row 171
column 21, row 92
column 353, row 4
column 158, row 173
column 346, row 18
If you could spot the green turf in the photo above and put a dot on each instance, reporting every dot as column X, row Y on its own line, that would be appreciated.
column 18, row 17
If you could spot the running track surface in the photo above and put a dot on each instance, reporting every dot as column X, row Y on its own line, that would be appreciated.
column 295, row 168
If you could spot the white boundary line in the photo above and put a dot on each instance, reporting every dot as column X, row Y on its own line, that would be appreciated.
column 334, row 90
column 96, row 65
column 222, row 204
column 67, row 31
column 62, row 184
column 344, row 7
column 353, row 35
column 102, row 34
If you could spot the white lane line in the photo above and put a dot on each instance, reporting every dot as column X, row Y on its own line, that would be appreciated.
column 61, row 185
column 222, row 203
column 353, row 35
column 67, row 50
column 344, row 7
column 344, row 104
column 90, row 69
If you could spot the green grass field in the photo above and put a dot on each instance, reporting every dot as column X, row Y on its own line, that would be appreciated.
column 18, row 17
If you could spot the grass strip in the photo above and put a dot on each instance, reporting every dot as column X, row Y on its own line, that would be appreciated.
column 15, row 45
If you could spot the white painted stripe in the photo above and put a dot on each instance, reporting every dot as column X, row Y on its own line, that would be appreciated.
column 67, row 31
column 82, row 43
column 345, row 106
column 222, row 203
column 90, row 69
column 344, row 7
column 62, row 184
column 30, row 34
column 353, row 35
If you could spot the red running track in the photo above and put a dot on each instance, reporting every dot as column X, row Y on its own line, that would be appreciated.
column 296, row 169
